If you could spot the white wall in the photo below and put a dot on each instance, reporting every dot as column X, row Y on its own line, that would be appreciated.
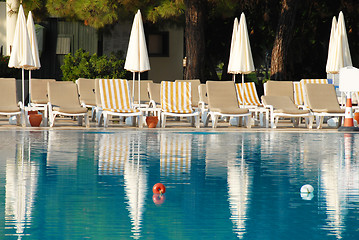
column 3, row 26
column 10, row 22
column 169, row 68
column 162, row 68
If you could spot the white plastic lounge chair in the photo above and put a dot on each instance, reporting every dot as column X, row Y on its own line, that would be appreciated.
column 203, row 101
column 251, row 101
column 176, row 102
column 64, row 100
column 279, row 88
column 8, row 103
column 223, row 102
column 154, row 92
column 322, row 101
column 144, row 97
column 86, row 88
column 115, row 101
column 194, row 91
column 282, row 106
column 300, row 94
column 39, row 97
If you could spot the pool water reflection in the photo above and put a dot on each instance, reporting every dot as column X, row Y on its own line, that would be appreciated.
column 234, row 185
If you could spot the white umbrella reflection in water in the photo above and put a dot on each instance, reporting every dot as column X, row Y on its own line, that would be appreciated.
column 238, row 192
column 339, row 181
column 20, row 187
column 135, row 186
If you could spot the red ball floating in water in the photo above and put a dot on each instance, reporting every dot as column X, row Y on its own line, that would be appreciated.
column 159, row 188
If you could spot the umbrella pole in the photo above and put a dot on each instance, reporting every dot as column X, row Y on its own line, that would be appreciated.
column 133, row 88
column 23, row 87
column 234, row 78
column 139, row 90
column 242, row 90
column 29, row 85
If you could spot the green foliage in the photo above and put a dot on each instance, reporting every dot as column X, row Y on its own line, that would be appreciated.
column 82, row 65
column 5, row 71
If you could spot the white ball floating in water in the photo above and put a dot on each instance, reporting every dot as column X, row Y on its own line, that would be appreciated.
column 307, row 188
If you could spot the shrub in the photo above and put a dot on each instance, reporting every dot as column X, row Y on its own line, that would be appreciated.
column 5, row 71
column 82, row 65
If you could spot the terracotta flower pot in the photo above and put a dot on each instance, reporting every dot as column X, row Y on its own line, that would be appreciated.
column 35, row 120
column 152, row 121
column 32, row 112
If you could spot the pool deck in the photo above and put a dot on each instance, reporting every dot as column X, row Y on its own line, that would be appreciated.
column 171, row 125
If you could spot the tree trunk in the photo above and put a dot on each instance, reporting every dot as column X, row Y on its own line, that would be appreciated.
column 284, row 35
column 195, row 39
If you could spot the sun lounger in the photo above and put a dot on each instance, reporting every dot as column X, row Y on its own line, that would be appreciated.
column 251, row 101
column 322, row 101
column 223, row 102
column 195, row 83
column 86, row 88
column 8, row 102
column 279, row 88
column 176, row 102
column 299, row 93
column 115, row 101
column 154, row 92
column 144, row 97
column 283, row 106
column 64, row 100
column 39, row 97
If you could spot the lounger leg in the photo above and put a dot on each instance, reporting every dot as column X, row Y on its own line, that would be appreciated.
column 52, row 120
column 163, row 120
column 87, row 121
column 272, row 121
column 93, row 114
column 79, row 120
column 140, row 121
column 320, row 120
column 295, row 122
column 214, row 121
column 310, row 120
column 340, row 122
column 208, row 116
column 197, row 119
column 105, row 120
column 276, row 122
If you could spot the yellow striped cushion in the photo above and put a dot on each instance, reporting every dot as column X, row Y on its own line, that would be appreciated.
column 176, row 97
column 115, row 96
column 298, row 93
column 250, row 94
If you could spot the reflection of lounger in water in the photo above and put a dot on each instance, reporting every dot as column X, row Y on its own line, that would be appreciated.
column 114, row 153
column 176, row 156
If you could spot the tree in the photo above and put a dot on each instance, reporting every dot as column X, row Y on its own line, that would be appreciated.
column 298, row 38
column 282, row 41
column 195, row 39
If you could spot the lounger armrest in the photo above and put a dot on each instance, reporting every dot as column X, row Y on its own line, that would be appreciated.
column 152, row 103
column 21, row 105
column 270, row 107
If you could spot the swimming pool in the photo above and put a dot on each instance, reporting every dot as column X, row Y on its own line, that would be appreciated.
column 220, row 185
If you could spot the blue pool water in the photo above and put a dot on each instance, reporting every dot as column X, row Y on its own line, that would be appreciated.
column 230, row 185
